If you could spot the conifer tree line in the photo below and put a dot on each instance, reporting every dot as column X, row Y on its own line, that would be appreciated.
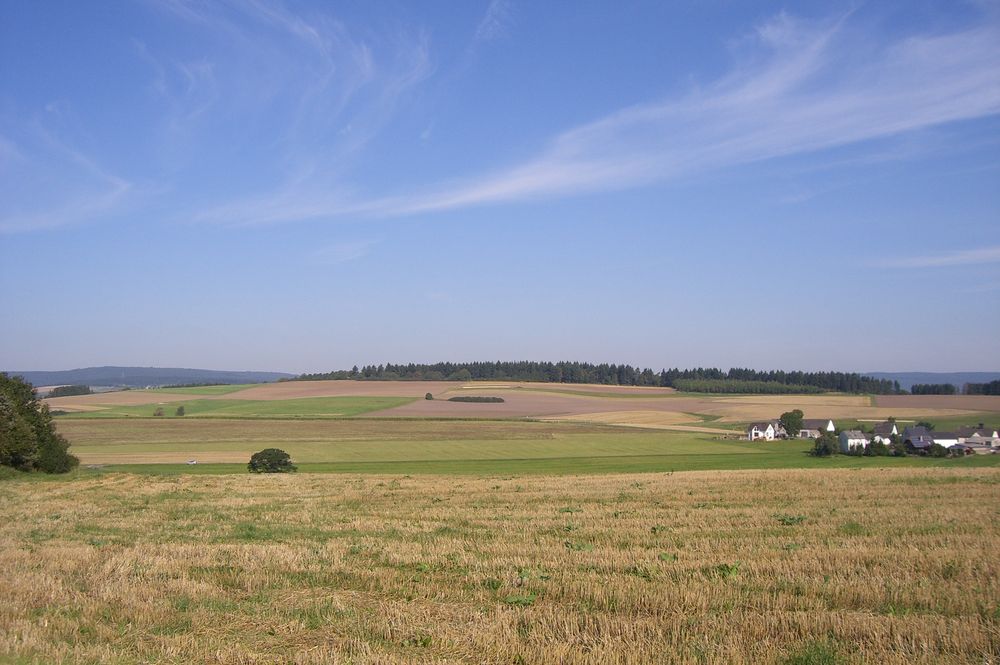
column 737, row 380
column 990, row 388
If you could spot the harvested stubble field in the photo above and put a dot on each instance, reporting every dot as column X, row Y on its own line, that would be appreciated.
column 888, row 566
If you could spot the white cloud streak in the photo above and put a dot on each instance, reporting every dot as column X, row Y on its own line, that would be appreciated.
column 802, row 88
column 948, row 259
column 813, row 89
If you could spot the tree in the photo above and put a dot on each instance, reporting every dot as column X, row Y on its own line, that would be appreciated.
column 876, row 449
column 18, row 445
column 158, row 411
column 926, row 424
column 28, row 439
column 271, row 460
column 428, row 396
column 180, row 411
column 825, row 445
column 937, row 450
column 896, row 446
column 792, row 421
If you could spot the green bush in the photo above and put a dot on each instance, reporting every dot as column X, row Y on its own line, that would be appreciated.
column 271, row 460
column 180, row 411
column 428, row 396
column 825, row 445
column 877, row 449
column 937, row 450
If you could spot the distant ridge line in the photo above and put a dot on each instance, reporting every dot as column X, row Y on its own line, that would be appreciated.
column 140, row 377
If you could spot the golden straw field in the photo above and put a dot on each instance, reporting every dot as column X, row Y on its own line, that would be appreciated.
column 779, row 566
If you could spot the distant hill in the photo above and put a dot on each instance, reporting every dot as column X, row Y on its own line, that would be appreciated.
column 907, row 379
column 140, row 377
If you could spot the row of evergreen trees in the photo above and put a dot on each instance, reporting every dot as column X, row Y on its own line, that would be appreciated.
column 620, row 375
column 991, row 388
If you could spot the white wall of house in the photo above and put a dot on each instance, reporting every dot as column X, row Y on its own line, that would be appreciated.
column 756, row 433
column 850, row 441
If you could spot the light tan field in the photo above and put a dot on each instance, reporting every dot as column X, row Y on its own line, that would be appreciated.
column 122, row 398
column 823, row 566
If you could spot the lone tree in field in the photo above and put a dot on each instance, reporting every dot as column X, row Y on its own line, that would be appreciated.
column 179, row 411
column 271, row 460
column 428, row 396
column 792, row 421
column 28, row 439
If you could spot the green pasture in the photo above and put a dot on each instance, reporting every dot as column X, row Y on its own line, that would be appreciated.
column 460, row 448
column 308, row 407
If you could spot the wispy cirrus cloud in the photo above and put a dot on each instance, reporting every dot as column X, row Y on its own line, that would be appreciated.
column 799, row 87
column 288, row 99
column 808, row 88
column 963, row 257
column 495, row 22
column 47, row 182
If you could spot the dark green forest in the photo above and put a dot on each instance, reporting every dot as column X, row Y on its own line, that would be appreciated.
column 735, row 380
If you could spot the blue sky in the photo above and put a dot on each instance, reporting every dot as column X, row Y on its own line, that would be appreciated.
column 304, row 186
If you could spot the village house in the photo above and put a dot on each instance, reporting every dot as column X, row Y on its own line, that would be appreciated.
column 917, row 438
column 883, row 432
column 979, row 436
column 812, row 428
column 946, row 439
column 852, row 440
column 769, row 431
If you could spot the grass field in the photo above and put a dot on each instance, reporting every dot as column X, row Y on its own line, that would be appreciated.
column 308, row 407
column 805, row 566
column 439, row 447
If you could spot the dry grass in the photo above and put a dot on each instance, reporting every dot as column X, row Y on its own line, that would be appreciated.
column 887, row 566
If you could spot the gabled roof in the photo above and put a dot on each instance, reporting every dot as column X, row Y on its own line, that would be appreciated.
column 816, row 423
column 884, row 428
column 944, row 435
column 976, row 431
column 760, row 426
column 853, row 434
column 916, row 430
